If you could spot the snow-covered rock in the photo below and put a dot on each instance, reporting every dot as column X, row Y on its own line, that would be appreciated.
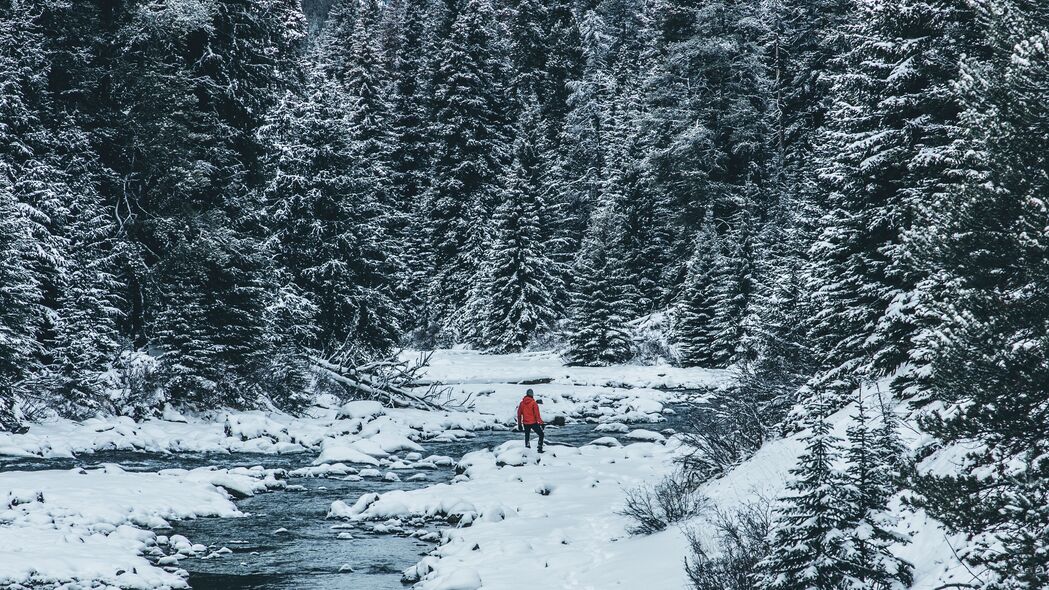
column 646, row 435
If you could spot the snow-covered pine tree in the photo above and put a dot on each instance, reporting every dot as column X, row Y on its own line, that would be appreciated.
column 19, row 290
column 646, row 234
column 22, row 72
column 883, row 163
column 583, row 169
column 804, row 41
column 807, row 541
column 410, row 151
column 88, row 304
column 470, row 145
column 734, row 290
column 369, row 119
column 334, row 46
column 664, row 97
column 988, row 372
column 597, row 332
column 780, row 309
column 563, row 64
column 695, row 307
column 527, row 29
column 804, row 38
column 871, row 478
column 367, row 89
column 330, row 241
column 202, row 82
column 720, row 148
column 515, row 296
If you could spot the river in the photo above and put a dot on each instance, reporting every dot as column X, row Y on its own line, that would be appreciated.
column 285, row 541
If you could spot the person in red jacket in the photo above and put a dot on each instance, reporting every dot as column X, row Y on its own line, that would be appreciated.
column 529, row 419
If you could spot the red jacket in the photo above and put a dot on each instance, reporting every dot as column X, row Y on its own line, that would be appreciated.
column 528, row 412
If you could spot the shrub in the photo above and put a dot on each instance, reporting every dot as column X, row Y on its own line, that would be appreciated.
column 654, row 508
column 740, row 543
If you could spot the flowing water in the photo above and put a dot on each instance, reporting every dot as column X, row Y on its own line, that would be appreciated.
column 306, row 554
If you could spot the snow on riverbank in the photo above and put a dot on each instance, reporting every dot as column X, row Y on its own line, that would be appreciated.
column 467, row 366
column 491, row 382
column 556, row 517
column 553, row 519
column 60, row 527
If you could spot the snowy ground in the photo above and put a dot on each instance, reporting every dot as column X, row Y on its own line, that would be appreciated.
column 556, row 516
column 552, row 518
column 61, row 527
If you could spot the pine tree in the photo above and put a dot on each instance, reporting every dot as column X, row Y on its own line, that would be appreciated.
column 330, row 239
column 719, row 151
column 515, row 296
column 334, row 45
column 19, row 302
column 528, row 45
column 469, row 152
column 646, row 235
column 886, row 141
column 88, row 305
column 807, row 543
column 696, row 306
column 781, row 307
column 987, row 375
column 598, row 334
column 734, row 291
column 872, row 479
column 203, row 82
column 410, row 150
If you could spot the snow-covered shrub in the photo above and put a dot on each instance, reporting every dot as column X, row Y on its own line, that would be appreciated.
column 723, row 431
column 132, row 385
column 740, row 542
column 652, row 339
column 654, row 508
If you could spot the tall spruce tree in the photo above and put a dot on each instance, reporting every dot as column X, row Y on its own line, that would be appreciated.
column 807, row 541
column 88, row 305
column 695, row 307
column 412, row 79
column 886, row 143
column 330, row 239
column 470, row 148
column 598, row 334
column 870, row 481
column 19, row 305
column 515, row 297
column 987, row 375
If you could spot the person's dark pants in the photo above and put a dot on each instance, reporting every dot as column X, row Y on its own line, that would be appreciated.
column 528, row 428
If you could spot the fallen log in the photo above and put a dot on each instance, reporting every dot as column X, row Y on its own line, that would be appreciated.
column 381, row 389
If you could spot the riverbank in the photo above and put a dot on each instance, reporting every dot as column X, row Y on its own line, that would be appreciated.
column 352, row 442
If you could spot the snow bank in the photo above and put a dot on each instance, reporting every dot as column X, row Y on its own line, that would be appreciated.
column 465, row 366
column 392, row 430
column 766, row 474
column 89, row 526
column 493, row 383
column 557, row 510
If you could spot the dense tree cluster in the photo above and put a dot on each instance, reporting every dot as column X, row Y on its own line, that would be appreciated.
column 207, row 193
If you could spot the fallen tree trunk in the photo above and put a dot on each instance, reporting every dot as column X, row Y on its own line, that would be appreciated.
column 368, row 386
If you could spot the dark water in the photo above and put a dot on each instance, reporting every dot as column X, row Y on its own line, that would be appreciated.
column 309, row 554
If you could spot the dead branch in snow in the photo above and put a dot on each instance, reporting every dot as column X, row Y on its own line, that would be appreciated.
column 393, row 380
